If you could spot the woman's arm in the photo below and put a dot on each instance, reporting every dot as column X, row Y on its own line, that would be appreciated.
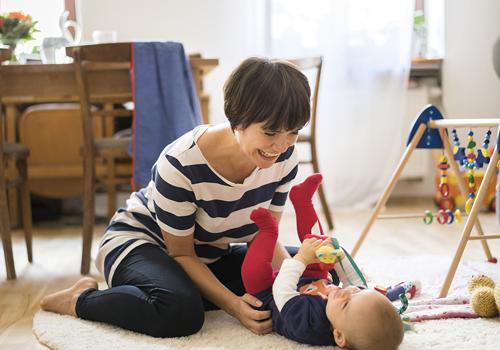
column 181, row 249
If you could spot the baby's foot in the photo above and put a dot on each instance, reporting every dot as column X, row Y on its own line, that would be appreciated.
column 64, row 301
column 263, row 218
column 302, row 193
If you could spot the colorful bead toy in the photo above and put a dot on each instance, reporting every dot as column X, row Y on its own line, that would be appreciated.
column 458, row 152
column 470, row 163
column 483, row 155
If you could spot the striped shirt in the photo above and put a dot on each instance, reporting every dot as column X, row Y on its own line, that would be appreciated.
column 186, row 196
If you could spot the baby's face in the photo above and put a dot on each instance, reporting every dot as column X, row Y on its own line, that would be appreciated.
column 351, row 307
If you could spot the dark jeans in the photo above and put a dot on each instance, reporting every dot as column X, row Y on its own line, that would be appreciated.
column 152, row 294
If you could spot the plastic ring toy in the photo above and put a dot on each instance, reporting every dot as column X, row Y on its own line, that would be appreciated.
column 451, row 217
column 442, row 216
column 444, row 189
column 458, row 216
column 428, row 217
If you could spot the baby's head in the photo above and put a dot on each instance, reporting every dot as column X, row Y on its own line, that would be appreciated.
column 363, row 319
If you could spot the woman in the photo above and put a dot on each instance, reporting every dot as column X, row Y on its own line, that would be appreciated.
column 168, row 256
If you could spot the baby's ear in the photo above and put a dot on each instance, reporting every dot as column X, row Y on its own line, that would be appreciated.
column 339, row 337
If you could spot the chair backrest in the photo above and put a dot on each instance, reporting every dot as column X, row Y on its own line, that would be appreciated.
column 313, row 65
column 4, row 213
column 102, row 73
column 4, row 55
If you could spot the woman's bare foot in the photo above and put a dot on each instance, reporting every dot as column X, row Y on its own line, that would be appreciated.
column 64, row 301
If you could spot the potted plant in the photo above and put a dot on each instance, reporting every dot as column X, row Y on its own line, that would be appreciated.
column 16, row 27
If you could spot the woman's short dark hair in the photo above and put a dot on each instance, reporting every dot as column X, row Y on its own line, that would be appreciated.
column 267, row 91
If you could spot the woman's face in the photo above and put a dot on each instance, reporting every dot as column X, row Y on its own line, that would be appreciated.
column 262, row 146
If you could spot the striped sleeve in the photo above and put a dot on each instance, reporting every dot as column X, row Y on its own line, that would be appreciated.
column 173, row 198
column 290, row 168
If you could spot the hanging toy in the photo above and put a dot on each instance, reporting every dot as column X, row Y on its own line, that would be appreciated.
column 443, row 216
column 483, row 155
column 428, row 217
column 444, row 188
column 458, row 152
column 470, row 163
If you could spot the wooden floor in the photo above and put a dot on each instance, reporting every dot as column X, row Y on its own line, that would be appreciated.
column 57, row 251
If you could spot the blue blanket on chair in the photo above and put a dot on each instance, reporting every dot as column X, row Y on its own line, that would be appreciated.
column 166, row 104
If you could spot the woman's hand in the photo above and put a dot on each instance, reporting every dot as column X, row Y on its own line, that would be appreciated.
column 259, row 322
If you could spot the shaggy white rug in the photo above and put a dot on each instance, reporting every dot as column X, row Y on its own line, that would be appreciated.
column 222, row 332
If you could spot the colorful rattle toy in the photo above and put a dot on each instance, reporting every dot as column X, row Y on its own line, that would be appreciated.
column 328, row 254
column 333, row 253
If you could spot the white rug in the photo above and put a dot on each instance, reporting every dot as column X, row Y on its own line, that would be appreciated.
column 222, row 332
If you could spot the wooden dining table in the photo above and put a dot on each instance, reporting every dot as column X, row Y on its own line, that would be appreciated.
column 30, row 84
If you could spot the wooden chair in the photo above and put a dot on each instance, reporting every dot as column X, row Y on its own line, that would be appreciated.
column 90, row 61
column 19, row 154
column 102, row 74
column 313, row 65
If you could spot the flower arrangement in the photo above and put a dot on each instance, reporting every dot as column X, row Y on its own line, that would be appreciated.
column 14, row 27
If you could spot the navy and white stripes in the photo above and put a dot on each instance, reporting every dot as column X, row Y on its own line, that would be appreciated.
column 187, row 196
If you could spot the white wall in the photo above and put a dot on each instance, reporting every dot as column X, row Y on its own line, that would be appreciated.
column 229, row 30
column 470, row 85
column 234, row 29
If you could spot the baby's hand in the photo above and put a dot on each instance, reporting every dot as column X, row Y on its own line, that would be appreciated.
column 307, row 251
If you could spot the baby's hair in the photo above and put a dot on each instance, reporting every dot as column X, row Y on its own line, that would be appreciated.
column 272, row 92
column 386, row 334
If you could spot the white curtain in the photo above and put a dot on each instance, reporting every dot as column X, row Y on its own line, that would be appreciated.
column 366, row 49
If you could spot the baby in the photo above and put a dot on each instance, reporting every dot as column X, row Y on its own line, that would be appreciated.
column 306, row 307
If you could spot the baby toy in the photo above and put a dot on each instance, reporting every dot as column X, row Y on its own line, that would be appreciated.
column 485, row 296
column 333, row 253
column 407, row 288
column 407, row 324
column 328, row 254
column 444, row 215
column 470, row 161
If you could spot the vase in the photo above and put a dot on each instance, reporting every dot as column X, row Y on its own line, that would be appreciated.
column 12, row 44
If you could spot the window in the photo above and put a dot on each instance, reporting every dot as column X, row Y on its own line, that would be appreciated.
column 428, row 29
column 302, row 26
